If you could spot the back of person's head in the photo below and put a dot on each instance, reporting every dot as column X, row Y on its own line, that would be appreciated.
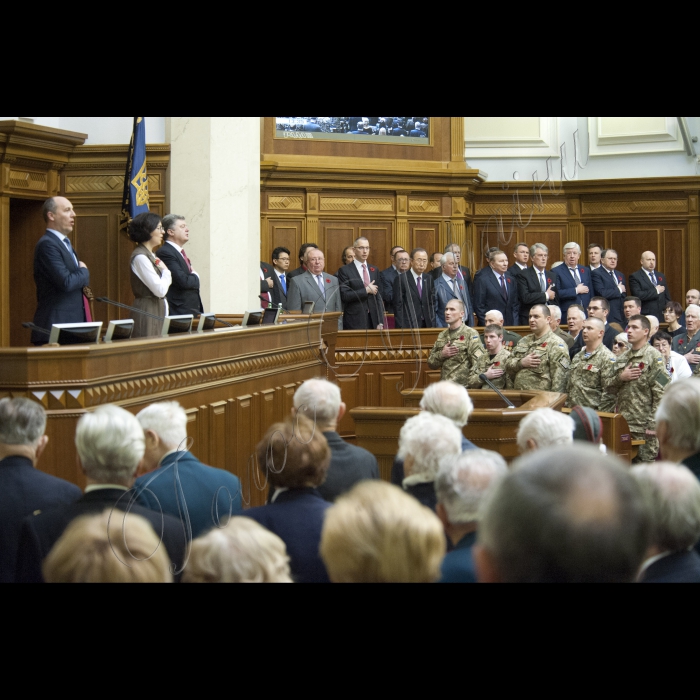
column 679, row 411
column 111, row 547
column 110, row 443
column 241, row 552
column 564, row 516
column 379, row 534
column 464, row 481
column 168, row 421
column 426, row 440
column 450, row 400
column 672, row 495
column 545, row 428
column 22, row 422
column 319, row 401
column 294, row 455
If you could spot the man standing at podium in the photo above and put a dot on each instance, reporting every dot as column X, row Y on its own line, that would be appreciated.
column 58, row 272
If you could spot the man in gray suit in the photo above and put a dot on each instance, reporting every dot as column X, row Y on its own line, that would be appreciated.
column 317, row 286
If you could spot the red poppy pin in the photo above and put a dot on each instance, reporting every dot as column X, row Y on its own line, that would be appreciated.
column 496, row 364
column 157, row 261
column 680, row 342
column 462, row 339
column 545, row 345
column 461, row 289
column 661, row 279
column 549, row 281
column 509, row 282
column 371, row 269
column 589, row 368
column 328, row 281
column 641, row 365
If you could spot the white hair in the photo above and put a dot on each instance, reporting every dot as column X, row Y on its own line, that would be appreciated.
column 496, row 313
column 319, row 401
column 538, row 246
column 557, row 264
column 450, row 400
column 580, row 312
column 110, row 444
column 572, row 246
column 168, row 421
column 447, row 258
column 546, row 428
column 464, row 482
column 22, row 422
column 555, row 311
column 694, row 308
column 654, row 323
column 680, row 410
column 429, row 439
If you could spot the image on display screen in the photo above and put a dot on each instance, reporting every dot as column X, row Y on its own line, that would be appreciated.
column 397, row 130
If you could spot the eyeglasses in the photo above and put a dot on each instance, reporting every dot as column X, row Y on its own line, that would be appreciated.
column 620, row 345
column 161, row 229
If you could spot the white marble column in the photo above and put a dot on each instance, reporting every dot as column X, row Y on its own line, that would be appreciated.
column 214, row 182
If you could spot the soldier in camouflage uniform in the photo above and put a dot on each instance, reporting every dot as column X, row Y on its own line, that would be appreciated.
column 540, row 362
column 492, row 363
column 591, row 371
column 639, row 382
column 689, row 346
column 457, row 348
column 510, row 339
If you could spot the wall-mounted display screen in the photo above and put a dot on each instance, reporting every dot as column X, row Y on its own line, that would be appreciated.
column 392, row 130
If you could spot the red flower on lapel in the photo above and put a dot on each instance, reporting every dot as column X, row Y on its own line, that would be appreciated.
column 509, row 282
column 545, row 345
column 582, row 270
column 661, row 279
column 157, row 262
column 328, row 281
column 496, row 364
column 461, row 289
column 549, row 282
column 680, row 342
column 371, row 269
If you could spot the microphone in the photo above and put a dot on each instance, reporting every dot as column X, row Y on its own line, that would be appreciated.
column 199, row 313
column 105, row 300
column 32, row 327
column 485, row 380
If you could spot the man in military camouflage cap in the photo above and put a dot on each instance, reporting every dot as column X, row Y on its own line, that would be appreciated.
column 689, row 345
column 510, row 339
column 493, row 362
column 457, row 348
column 639, row 382
column 540, row 362
column 555, row 325
column 591, row 371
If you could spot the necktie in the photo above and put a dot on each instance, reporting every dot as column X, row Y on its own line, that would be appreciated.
column 542, row 282
column 454, row 284
column 321, row 286
column 70, row 249
column 504, row 290
column 284, row 283
column 614, row 276
column 654, row 281
column 577, row 279
column 365, row 275
column 419, row 282
column 187, row 260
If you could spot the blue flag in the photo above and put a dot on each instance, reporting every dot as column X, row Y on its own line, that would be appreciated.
column 136, row 199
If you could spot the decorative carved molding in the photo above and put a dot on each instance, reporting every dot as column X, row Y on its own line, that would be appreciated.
column 506, row 208
column 106, row 183
column 293, row 203
column 25, row 180
column 674, row 206
column 424, row 206
column 370, row 356
column 356, row 204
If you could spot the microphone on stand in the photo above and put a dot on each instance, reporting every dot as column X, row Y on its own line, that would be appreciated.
column 485, row 380
column 105, row 300
column 218, row 320
column 32, row 327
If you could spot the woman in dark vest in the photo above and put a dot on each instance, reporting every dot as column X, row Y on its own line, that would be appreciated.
column 150, row 278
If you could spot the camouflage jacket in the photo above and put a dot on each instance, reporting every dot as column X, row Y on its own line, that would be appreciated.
column 510, row 340
column 484, row 364
column 589, row 378
column 550, row 375
column 458, row 368
column 568, row 339
column 683, row 346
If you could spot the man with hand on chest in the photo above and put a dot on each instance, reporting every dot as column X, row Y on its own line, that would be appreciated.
column 688, row 344
column 414, row 299
column 651, row 287
column 493, row 362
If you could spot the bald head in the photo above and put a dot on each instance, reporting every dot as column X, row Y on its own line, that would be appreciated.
column 692, row 297
column 649, row 261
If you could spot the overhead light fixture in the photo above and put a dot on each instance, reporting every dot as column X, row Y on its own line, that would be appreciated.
column 688, row 139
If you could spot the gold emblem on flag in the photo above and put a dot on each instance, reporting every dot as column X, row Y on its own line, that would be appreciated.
column 140, row 182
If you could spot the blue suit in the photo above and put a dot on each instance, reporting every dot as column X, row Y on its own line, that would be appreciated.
column 200, row 491
column 458, row 566
column 488, row 296
column 444, row 294
column 567, row 288
column 604, row 286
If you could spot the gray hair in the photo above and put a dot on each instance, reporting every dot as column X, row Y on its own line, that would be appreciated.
column 450, row 400
column 320, row 401
column 359, row 240
column 22, row 422
column 168, row 421
column 555, row 312
column 450, row 248
column 680, row 410
column 538, row 246
column 464, row 481
column 580, row 311
column 445, row 260
column 567, row 515
column 110, row 444
column 429, row 439
column 497, row 313
column 694, row 308
column 170, row 220
column 672, row 496
column 546, row 428
column 572, row 246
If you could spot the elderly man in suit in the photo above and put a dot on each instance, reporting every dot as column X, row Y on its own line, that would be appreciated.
column 496, row 290
column 449, row 287
column 651, row 287
column 537, row 286
column 183, row 295
column 360, row 292
column 389, row 277
column 611, row 285
column 59, row 274
column 303, row 252
column 414, row 297
column 317, row 286
column 464, row 275
column 23, row 488
column 575, row 285
column 175, row 481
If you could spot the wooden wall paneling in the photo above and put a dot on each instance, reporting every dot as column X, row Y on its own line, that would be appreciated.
column 694, row 240
column 5, row 283
column 244, row 425
column 285, row 233
column 350, row 392
column 380, row 237
column 674, row 261
column 631, row 241
column 595, row 235
column 391, row 384
column 425, row 235
column 196, row 440
column 95, row 240
column 335, row 238
column 218, row 434
column 203, row 449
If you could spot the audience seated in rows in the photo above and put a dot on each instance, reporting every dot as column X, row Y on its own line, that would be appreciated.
column 544, row 428
column 378, row 534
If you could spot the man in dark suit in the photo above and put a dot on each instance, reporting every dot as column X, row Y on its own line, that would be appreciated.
column 536, row 285
column 598, row 308
column 183, row 295
column 281, row 258
column 59, row 274
column 522, row 259
column 496, row 290
column 320, row 401
column 611, row 285
column 651, row 287
column 23, row 488
column 389, row 277
column 574, row 281
column 360, row 293
column 175, row 481
column 414, row 298
column 449, row 287
column 302, row 261
column 266, row 283
column 110, row 445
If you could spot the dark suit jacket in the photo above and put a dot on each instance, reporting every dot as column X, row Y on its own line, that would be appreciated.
column 683, row 567
column 59, row 286
column 514, row 270
column 267, row 272
column 410, row 309
column 397, row 471
column 566, row 287
column 653, row 303
column 458, row 566
column 278, row 294
column 530, row 292
column 183, row 295
column 207, row 495
column 362, row 310
column 488, row 297
column 349, row 466
column 23, row 491
column 41, row 532
column 296, row 517
column 608, row 341
column 294, row 273
column 387, row 288
column 603, row 286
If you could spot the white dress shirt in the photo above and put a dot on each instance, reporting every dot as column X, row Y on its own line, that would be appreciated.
column 63, row 238
column 359, row 265
column 146, row 272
